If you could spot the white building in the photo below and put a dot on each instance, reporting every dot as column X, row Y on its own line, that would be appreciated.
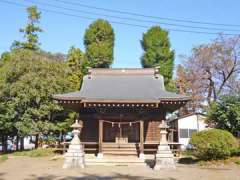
column 28, row 143
column 183, row 127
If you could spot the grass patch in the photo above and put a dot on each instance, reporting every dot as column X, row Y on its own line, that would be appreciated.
column 4, row 158
column 237, row 162
column 187, row 153
column 187, row 157
column 230, row 160
column 36, row 152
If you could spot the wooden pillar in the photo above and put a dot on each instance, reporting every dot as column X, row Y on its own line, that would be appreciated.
column 141, row 139
column 100, row 139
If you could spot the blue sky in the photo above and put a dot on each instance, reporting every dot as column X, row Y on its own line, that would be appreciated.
column 61, row 32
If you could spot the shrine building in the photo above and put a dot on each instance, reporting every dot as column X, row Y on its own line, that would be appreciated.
column 121, row 110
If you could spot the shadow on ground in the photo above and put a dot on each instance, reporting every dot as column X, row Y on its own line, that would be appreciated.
column 84, row 176
column 150, row 163
column 187, row 160
column 2, row 174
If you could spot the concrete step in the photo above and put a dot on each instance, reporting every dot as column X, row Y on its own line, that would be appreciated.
column 123, row 145
column 121, row 152
column 109, row 160
column 120, row 148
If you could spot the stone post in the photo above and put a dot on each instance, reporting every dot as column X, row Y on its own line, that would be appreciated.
column 164, row 157
column 74, row 157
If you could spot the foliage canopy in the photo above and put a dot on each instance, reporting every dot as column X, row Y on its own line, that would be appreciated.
column 75, row 61
column 212, row 70
column 99, row 44
column 157, row 52
column 28, row 81
column 225, row 113
column 30, row 31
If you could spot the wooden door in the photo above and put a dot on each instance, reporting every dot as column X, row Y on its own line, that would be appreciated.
column 129, row 131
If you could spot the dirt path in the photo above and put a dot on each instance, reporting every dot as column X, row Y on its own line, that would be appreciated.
column 43, row 168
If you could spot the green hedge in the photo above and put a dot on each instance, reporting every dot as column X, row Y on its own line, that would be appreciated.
column 213, row 144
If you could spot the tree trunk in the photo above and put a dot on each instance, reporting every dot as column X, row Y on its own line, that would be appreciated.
column 21, row 143
column 2, row 139
column 61, row 136
column 210, row 91
column 4, row 143
column 36, row 141
column 17, row 143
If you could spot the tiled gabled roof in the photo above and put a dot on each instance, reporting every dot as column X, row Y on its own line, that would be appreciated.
column 122, row 85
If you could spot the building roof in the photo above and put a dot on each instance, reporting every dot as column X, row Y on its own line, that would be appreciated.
column 122, row 85
column 187, row 115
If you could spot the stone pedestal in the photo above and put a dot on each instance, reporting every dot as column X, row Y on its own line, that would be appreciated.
column 164, row 157
column 100, row 155
column 141, row 156
column 75, row 158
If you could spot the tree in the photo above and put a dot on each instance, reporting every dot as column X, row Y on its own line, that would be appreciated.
column 157, row 52
column 212, row 70
column 99, row 44
column 189, row 85
column 30, row 31
column 6, row 123
column 27, row 84
column 225, row 113
column 75, row 59
column 5, row 56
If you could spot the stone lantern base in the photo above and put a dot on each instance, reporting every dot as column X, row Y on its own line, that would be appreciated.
column 74, row 158
column 164, row 158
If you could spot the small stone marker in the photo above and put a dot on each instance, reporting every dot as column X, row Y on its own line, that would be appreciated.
column 164, row 157
column 75, row 158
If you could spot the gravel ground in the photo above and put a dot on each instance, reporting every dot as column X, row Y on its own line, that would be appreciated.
column 44, row 168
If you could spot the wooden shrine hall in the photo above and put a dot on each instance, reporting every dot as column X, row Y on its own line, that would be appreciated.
column 121, row 110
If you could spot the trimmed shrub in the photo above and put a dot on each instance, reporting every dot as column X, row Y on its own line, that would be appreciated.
column 213, row 144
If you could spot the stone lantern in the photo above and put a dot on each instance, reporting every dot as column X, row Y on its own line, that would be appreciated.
column 74, row 158
column 164, row 157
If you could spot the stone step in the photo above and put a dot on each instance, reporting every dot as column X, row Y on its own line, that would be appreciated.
column 121, row 152
column 115, row 163
column 123, row 145
column 118, row 149
column 115, row 160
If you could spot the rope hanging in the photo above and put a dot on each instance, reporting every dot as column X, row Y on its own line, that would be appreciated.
column 121, row 123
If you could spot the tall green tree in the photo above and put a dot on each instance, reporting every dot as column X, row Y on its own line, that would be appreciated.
column 27, row 82
column 158, row 53
column 30, row 31
column 5, row 56
column 99, row 44
column 75, row 59
column 225, row 113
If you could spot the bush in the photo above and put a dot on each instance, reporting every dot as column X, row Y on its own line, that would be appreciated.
column 213, row 144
